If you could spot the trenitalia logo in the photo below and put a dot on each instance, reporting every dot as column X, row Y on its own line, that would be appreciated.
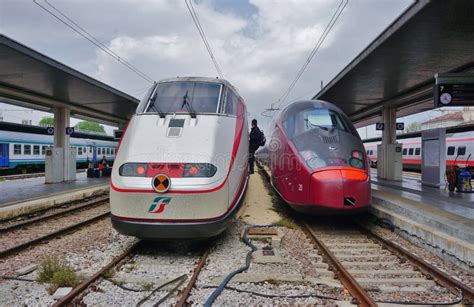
column 159, row 204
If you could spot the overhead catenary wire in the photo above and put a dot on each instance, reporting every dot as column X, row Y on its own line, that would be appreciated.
column 194, row 16
column 342, row 5
column 87, row 35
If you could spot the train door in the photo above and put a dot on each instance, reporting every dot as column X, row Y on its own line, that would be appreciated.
column 4, row 157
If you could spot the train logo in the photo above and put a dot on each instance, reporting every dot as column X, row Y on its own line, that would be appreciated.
column 159, row 204
column 161, row 183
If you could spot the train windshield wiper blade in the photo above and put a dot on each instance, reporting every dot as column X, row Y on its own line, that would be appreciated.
column 155, row 107
column 188, row 105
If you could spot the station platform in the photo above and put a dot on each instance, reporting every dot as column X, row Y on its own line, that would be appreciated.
column 24, row 196
column 431, row 216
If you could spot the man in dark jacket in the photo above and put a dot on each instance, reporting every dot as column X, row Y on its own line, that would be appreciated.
column 256, row 136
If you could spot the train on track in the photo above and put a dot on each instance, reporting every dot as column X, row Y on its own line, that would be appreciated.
column 181, row 170
column 459, row 147
column 24, row 147
column 317, row 160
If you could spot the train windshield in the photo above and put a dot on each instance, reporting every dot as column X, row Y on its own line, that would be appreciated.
column 323, row 118
column 180, row 97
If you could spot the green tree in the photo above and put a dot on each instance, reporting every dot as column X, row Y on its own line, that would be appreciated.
column 90, row 126
column 47, row 121
column 413, row 127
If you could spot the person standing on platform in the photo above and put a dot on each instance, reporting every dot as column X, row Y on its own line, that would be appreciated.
column 257, row 139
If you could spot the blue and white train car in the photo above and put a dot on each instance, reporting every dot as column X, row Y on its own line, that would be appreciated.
column 27, row 149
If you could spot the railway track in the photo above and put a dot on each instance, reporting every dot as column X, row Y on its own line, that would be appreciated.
column 375, row 270
column 76, row 295
column 19, row 236
column 26, row 176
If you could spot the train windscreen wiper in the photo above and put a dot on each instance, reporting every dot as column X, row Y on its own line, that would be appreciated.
column 154, row 107
column 188, row 105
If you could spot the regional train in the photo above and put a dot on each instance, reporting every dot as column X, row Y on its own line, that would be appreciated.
column 459, row 147
column 181, row 170
column 24, row 147
column 317, row 160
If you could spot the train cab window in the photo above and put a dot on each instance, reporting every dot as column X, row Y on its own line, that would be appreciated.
column 172, row 97
column 231, row 103
column 79, row 151
column 17, row 149
column 461, row 150
column 417, row 151
column 43, row 150
column 36, row 150
column 27, row 150
column 405, row 151
column 451, row 150
column 410, row 151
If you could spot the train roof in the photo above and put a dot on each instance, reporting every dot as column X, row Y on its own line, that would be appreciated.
column 302, row 104
column 201, row 79
column 13, row 127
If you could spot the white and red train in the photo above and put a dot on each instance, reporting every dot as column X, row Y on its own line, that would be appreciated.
column 458, row 148
column 181, row 170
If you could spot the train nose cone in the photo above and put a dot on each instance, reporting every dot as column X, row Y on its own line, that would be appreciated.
column 341, row 188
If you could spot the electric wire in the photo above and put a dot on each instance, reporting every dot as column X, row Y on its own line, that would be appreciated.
column 87, row 35
column 195, row 18
column 342, row 5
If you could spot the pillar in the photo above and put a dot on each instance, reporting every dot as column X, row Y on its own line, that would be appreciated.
column 389, row 152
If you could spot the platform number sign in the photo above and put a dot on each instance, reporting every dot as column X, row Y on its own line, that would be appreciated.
column 69, row 130
column 50, row 130
column 379, row 126
column 400, row 126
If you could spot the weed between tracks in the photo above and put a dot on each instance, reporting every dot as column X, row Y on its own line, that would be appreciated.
column 58, row 273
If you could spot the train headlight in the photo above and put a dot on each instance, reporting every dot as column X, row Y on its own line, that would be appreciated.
column 199, row 170
column 357, row 160
column 133, row 170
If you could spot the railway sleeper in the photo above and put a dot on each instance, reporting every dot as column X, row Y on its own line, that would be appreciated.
column 375, row 283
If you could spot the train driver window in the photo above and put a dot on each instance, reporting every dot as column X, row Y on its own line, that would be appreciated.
column 203, row 97
column 417, row 151
column 405, row 150
column 410, row 152
column 461, row 150
column 451, row 150
column 17, row 149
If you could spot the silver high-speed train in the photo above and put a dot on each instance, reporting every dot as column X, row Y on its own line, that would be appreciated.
column 181, row 170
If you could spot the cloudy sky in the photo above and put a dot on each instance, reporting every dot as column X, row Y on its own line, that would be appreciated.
column 260, row 44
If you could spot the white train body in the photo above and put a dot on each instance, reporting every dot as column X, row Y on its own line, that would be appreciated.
column 459, row 147
column 170, row 144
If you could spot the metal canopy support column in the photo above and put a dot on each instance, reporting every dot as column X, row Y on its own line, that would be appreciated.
column 389, row 152
column 61, row 159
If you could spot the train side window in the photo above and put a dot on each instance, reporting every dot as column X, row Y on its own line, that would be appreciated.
column 36, row 150
column 461, row 150
column 231, row 104
column 17, row 149
column 417, row 151
column 108, row 151
column 410, row 151
column 27, row 150
column 79, row 151
column 405, row 150
column 43, row 149
column 90, row 149
column 451, row 150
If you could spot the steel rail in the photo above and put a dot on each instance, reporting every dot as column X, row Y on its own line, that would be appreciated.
column 25, row 245
column 355, row 289
column 68, row 298
column 440, row 277
column 192, row 281
column 91, row 203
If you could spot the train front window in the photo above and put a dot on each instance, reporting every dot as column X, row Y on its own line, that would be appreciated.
column 185, row 97
column 461, row 150
column 323, row 118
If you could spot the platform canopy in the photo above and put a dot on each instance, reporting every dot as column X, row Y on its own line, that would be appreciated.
column 31, row 79
column 397, row 69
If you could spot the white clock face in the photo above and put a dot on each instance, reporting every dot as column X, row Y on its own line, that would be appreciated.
column 445, row 98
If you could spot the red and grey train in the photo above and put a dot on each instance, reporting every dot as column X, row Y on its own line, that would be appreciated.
column 317, row 160
column 181, row 170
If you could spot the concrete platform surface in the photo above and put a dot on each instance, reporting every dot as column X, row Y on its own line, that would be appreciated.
column 15, row 191
column 440, row 219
